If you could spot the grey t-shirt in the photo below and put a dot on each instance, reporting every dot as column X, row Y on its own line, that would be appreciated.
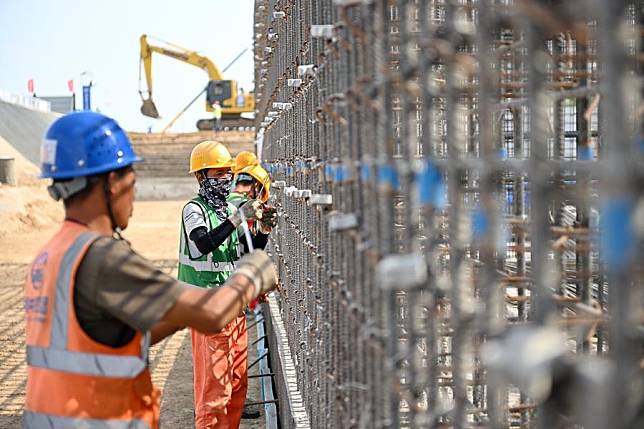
column 118, row 292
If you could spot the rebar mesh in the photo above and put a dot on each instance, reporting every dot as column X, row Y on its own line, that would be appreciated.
column 461, row 201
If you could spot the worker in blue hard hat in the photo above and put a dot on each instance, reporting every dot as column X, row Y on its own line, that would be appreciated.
column 93, row 305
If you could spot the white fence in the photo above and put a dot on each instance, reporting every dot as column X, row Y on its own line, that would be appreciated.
column 26, row 101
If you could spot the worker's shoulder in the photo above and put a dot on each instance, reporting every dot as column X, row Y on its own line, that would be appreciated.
column 104, row 255
column 105, row 246
column 193, row 207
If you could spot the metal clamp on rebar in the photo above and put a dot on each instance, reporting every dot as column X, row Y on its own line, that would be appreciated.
column 305, row 194
column 289, row 191
column 343, row 222
column 296, row 194
column 323, row 31
column 402, row 271
column 283, row 106
column 321, row 200
column 307, row 70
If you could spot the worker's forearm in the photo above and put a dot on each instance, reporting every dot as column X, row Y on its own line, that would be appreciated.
column 210, row 310
column 207, row 241
column 161, row 330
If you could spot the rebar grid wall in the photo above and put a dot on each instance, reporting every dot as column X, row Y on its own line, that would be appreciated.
column 460, row 191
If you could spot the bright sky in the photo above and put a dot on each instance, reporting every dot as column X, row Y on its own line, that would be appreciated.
column 53, row 41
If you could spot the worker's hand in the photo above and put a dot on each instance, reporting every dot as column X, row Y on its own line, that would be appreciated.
column 261, row 271
column 268, row 220
column 251, row 209
column 263, row 298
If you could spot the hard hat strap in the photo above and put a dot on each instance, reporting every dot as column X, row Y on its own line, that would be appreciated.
column 116, row 229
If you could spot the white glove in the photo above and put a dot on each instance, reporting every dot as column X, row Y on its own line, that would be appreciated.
column 251, row 210
column 261, row 271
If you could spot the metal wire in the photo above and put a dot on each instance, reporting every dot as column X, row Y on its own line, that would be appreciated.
column 459, row 184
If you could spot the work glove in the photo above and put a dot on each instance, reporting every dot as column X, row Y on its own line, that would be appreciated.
column 268, row 219
column 251, row 209
column 261, row 271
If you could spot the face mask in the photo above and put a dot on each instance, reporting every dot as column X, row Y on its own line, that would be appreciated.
column 215, row 192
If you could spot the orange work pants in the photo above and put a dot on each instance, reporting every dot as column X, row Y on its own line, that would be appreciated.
column 220, row 376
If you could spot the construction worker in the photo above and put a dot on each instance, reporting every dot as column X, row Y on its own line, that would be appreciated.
column 93, row 306
column 208, row 254
column 252, row 181
column 216, row 114
column 244, row 159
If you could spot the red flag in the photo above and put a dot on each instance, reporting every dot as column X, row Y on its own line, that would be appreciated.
column 70, row 85
column 30, row 86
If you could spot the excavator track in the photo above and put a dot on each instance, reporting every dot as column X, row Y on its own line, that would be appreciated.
column 227, row 124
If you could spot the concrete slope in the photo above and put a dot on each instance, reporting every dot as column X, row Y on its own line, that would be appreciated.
column 168, row 155
column 24, row 128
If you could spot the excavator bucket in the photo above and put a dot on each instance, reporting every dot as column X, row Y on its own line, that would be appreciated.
column 149, row 109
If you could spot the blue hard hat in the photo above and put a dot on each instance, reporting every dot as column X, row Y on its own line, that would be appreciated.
column 83, row 144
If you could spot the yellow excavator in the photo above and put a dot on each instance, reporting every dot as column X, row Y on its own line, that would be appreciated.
column 233, row 101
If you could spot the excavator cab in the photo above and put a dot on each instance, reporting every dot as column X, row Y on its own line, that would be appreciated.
column 219, row 90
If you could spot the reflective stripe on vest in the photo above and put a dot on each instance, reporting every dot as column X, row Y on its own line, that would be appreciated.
column 207, row 265
column 45, row 421
column 60, row 321
column 56, row 357
column 101, row 365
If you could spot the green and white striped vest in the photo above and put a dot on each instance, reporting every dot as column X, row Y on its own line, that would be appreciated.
column 213, row 269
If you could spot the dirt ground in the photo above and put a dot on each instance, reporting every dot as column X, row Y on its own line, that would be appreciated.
column 153, row 232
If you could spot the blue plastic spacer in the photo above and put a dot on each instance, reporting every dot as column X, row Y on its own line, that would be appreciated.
column 342, row 173
column 365, row 172
column 430, row 186
column 388, row 176
column 480, row 224
column 329, row 171
column 509, row 198
column 584, row 153
column 616, row 233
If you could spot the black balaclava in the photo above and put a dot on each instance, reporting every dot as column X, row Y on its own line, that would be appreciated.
column 215, row 192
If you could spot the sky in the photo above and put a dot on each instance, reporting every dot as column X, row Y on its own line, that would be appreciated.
column 53, row 41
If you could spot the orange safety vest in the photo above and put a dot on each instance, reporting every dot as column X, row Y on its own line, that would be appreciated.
column 72, row 380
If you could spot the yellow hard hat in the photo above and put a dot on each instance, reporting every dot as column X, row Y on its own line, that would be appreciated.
column 210, row 154
column 244, row 159
column 261, row 176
